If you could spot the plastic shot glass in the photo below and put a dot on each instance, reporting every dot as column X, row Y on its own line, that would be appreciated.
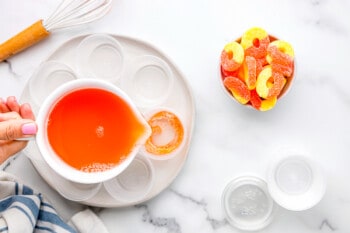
column 100, row 56
column 134, row 183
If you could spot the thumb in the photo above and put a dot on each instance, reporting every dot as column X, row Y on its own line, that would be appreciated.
column 17, row 128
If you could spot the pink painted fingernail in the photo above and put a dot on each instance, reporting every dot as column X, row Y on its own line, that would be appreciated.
column 12, row 98
column 29, row 129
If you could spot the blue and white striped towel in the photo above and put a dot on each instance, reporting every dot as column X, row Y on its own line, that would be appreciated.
column 22, row 210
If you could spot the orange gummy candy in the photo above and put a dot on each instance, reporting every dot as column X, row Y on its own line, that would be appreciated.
column 260, row 63
column 286, row 71
column 255, row 99
column 268, row 104
column 232, row 56
column 280, row 55
column 160, row 122
column 255, row 42
column 238, row 89
column 225, row 73
column 278, row 83
column 269, row 84
column 259, row 48
column 237, row 73
column 249, row 67
column 261, row 104
column 283, row 47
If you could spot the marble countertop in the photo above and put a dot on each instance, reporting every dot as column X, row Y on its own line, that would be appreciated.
column 228, row 140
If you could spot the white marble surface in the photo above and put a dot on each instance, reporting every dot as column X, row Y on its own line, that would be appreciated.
column 228, row 140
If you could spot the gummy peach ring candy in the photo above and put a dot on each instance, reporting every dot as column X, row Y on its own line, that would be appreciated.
column 283, row 47
column 269, row 84
column 238, row 89
column 167, row 133
column 232, row 56
column 280, row 56
column 249, row 67
column 255, row 42
column 262, row 104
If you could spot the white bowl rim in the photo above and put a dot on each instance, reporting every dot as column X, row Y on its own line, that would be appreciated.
column 50, row 156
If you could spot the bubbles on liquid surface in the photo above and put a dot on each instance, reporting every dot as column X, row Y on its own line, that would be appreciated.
column 97, row 167
column 100, row 131
column 165, row 134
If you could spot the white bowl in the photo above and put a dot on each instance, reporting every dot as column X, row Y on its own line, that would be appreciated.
column 54, row 160
column 284, row 91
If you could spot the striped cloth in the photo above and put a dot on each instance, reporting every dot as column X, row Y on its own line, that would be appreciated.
column 22, row 210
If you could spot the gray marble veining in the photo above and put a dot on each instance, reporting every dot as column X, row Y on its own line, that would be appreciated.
column 229, row 140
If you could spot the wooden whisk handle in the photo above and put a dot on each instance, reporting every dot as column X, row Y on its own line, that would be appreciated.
column 23, row 40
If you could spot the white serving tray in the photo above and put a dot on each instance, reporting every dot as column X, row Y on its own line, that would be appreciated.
column 180, row 100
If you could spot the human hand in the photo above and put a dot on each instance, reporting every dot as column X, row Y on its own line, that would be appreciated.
column 16, row 121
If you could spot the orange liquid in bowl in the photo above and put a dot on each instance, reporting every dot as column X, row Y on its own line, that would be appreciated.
column 92, row 129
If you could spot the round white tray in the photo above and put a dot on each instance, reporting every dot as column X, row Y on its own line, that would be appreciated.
column 180, row 100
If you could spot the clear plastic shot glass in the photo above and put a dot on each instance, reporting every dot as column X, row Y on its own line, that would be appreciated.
column 47, row 78
column 100, row 56
column 149, row 81
column 134, row 183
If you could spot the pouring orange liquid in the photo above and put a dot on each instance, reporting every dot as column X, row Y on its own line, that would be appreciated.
column 93, row 129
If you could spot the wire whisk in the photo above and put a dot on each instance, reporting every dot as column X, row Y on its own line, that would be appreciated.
column 68, row 14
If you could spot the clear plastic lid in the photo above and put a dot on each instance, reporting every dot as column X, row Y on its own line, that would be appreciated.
column 247, row 203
